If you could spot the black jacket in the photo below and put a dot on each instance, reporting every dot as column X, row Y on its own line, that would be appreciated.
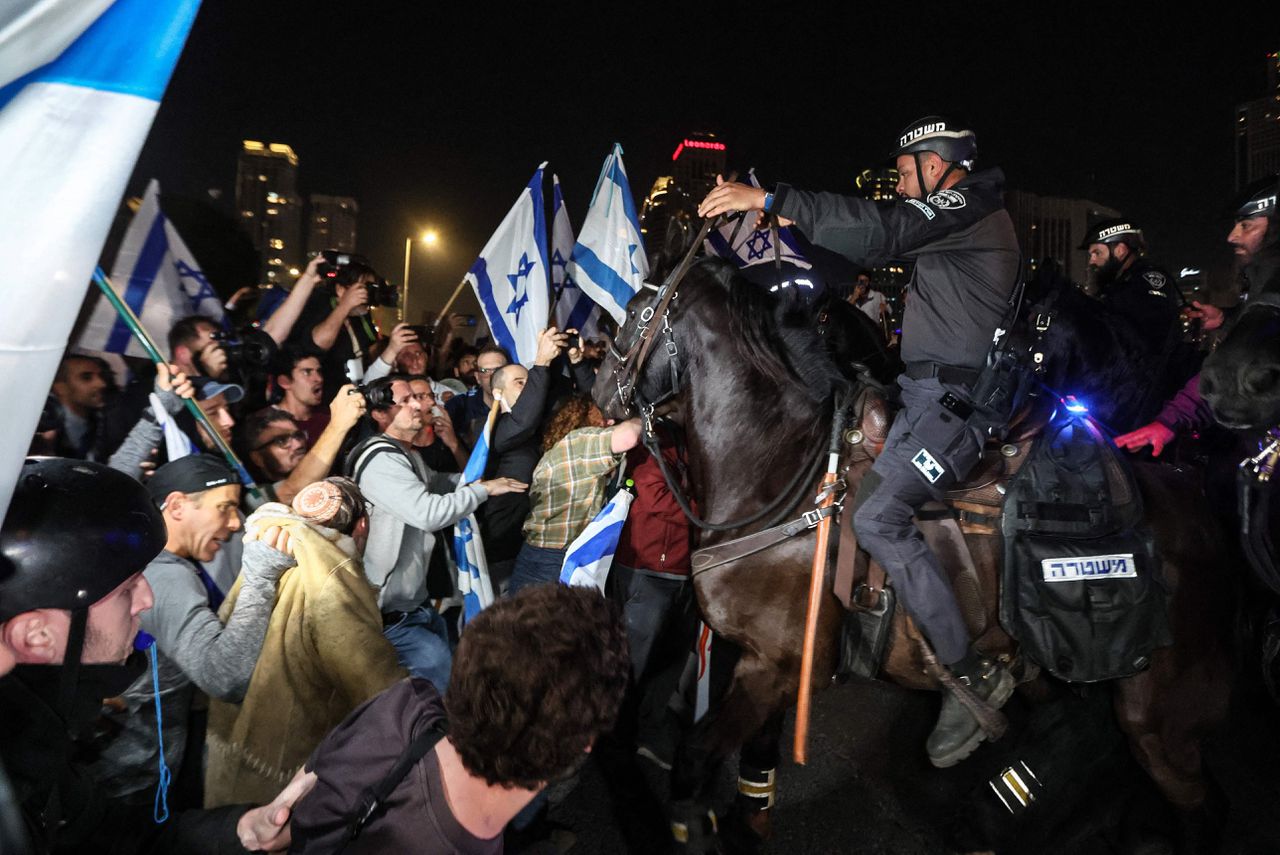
column 47, row 759
column 965, row 252
column 1146, row 296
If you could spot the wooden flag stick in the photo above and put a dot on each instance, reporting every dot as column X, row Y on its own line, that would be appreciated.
column 448, row 305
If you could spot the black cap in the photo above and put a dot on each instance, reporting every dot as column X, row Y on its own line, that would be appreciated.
column 192, row 474
column 207, row 387
column 945, row 137
column 74, row 532
column 1115, row 230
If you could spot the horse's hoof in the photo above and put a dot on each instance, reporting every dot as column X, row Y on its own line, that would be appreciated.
column 694, row 828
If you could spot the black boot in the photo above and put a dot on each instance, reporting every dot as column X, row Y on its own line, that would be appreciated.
column 957, row 733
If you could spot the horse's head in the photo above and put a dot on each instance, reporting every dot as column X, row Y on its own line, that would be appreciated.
column 716, row 319
column 1088, row 352
column 1241, row 379
column 644, row 362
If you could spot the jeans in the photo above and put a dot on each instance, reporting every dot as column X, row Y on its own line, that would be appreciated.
column 421, row 640
column 534, row 566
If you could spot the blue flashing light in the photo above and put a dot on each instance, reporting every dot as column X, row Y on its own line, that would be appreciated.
column 1074, row 406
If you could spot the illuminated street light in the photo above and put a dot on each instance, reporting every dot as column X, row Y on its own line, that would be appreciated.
column 429, row 238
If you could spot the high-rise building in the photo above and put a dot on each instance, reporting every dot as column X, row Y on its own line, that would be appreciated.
column 332, row 223
column 1052, row 228
column 1258, row 130
column 877, row 184
column 269, row 207
column 696, row 162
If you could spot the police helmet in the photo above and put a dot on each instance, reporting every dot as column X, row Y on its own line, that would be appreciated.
column 1257, row 200
column 943, row 137
column 1112, row 231
column 75, row 531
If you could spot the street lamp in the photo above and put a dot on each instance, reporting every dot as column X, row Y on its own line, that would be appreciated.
column 428, row 238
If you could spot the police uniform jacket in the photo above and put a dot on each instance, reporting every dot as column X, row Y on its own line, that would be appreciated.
column 1144, row 295
column 963, row 245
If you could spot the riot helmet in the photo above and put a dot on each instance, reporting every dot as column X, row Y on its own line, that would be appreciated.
column 1113, row 231
column 1257, row 200
column 74, row 532
column 946, row 138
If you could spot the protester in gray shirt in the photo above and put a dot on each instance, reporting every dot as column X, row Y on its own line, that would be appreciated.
column 409, row 503
column 199, row 499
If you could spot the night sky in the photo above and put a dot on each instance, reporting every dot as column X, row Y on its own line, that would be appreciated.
column 430, row 116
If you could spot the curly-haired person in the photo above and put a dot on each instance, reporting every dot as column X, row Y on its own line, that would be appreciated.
column 536, row 679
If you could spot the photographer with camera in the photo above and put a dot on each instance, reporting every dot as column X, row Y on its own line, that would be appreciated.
column 281, row 451
column 336, row 319
column 196, row 348
column 410, row 503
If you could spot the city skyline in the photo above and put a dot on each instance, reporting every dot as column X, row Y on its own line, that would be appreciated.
column 1135, row 116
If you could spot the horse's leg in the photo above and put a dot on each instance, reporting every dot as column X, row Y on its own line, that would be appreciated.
column 754, row 695
column 1165, row 711
column 757, row 782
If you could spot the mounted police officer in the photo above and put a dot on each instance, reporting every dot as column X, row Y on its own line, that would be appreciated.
column 1132, row 285
column 952, row 222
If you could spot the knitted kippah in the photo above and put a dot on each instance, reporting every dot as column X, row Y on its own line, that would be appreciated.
column 334, row 502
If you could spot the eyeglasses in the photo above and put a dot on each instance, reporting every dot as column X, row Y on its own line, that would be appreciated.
column 283, row 440
column 480, row 370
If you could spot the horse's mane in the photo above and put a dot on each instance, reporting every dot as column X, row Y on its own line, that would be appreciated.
column 775, row 332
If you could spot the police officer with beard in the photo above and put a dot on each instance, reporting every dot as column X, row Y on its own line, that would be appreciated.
column 952, row 222
column 1132, row 285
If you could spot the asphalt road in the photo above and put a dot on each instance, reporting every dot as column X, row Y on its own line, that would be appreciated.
column 868, row 788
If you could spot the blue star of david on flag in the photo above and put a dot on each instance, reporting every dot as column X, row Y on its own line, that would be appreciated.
column 519, row 285
column 631, row 256
column 757, row 245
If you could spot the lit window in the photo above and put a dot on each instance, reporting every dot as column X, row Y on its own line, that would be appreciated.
column 262, row 177
column 276, row 243
column 271, row 212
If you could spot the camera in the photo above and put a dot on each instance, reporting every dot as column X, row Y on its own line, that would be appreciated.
column 381, row 293
column 424, row 333
column 248, row 350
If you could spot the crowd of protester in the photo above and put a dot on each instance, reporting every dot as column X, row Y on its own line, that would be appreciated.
column 303, row 616
column 305, row 611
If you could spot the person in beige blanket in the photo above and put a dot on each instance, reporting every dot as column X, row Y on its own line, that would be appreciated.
column 324, row 654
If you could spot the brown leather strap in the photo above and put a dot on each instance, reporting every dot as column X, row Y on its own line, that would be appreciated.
column 846, row 558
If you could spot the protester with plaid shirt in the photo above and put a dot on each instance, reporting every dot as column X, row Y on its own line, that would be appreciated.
column 567, row 492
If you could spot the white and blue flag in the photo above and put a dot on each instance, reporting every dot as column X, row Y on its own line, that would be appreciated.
column 511, row 279
column 156, row 276
column 608, row 261
column 588, row 559
column 575, row 310
column 738, row 242
column 80, row 82
column 468, row 550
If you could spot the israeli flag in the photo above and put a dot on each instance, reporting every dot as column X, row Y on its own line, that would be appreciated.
column 608, row 262
column 510, row 277
column 80, row 82
column 468, row 550
column 176, row 442
column 574, row 310
column 738, row 242
column 156, row 276
column 589, row 557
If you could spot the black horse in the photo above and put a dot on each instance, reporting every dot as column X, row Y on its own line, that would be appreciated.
column 751, row 376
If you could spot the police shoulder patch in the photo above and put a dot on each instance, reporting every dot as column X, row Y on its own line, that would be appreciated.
column 947, row 199
column 928, row 466
column 1155, row 279
column 924, row 209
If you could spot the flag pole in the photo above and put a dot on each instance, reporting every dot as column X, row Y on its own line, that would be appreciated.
column 449, row 304
column 148, row 344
